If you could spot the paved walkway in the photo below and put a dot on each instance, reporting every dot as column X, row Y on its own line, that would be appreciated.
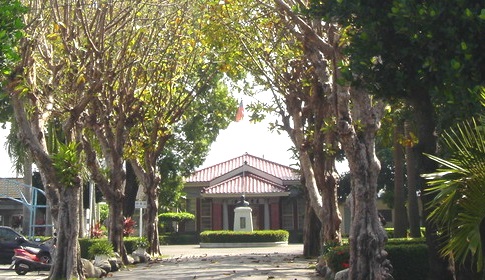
column 193, row 262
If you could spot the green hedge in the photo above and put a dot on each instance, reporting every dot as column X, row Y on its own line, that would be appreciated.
column 227, row 236
column 176, row 217
column 399, row 241
column 409, row 258
column 390, row 231
column 409, row 261
column 85, row 243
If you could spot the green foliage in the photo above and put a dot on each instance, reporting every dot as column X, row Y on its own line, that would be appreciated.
column 103, row 211
column 176, row 217
column 10, row 33
column 390, row 233
column 405, row 241
column 457, row 187
column 98, row 231
column 11, row 25
column 337, row 257
column 86, row 243
column 403, row 48
column 100, row 247
column 409, row 258
column 141, row 243
column 410, row 261
column 67, row 164
column 227, row 236
column 192, row 136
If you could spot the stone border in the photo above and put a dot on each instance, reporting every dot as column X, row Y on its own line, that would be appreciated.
column 243, row 244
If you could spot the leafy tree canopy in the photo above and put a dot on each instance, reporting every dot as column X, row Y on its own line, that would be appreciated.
column 11, row 25
column 402, row 48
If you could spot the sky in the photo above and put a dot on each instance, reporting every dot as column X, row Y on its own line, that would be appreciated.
column 253, row 138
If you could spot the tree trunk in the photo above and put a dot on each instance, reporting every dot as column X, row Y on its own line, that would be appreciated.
column 152, row 193
column 112, row 187
column 400, row 217
column 115, row 228
column 150, row 181
column 440, row 268
column 367, row 236
column 131, row 190
column 66, row 260
column 62, row 199
column 26, row 226
column 412, row 177
column 82, row 217
column 317, row 172
column 311, row 109
column 312, row 233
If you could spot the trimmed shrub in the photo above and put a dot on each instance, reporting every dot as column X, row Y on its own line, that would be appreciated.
column 410, row 261
column 86, row 243
column 408, row 256
column 399, row 241
column 227, row 236
column 100, row 247
column 132, row 243
column 176, row 217
column 390, row 231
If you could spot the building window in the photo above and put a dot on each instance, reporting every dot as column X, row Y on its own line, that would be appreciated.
column 287, row 214
column 191, row 207
column 205, row 214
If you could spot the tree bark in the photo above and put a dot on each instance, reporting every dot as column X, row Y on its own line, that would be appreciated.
column 67, row 259
column 150, row 181
column 82, row 217
column 412, row 177
column 424, row 120
column 400, row 217
column 112, row 189
column 115, row 226
column 152, row 193
column 312, row 233
column 62, row 199
column 26, row 226
column 368, row 259
column 131, row 190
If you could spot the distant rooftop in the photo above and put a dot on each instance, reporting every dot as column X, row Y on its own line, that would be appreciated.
column 274, row 169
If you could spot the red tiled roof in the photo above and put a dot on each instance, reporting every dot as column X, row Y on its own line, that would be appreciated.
column 272, row 168
column 249, row 184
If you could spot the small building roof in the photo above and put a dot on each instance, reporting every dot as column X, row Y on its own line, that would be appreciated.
column 249, row 185
column 274, row 169
column 246, row 174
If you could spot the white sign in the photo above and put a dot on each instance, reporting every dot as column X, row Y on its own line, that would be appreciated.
column 140, row 204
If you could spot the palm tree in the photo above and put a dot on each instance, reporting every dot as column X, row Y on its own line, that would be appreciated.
column 460, row 195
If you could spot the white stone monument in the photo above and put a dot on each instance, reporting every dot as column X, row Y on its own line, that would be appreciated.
column 243, row 219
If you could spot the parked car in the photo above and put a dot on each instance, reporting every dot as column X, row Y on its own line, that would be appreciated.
column 10, row 240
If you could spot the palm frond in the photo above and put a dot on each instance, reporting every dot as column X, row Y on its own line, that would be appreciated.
column 459, row 195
